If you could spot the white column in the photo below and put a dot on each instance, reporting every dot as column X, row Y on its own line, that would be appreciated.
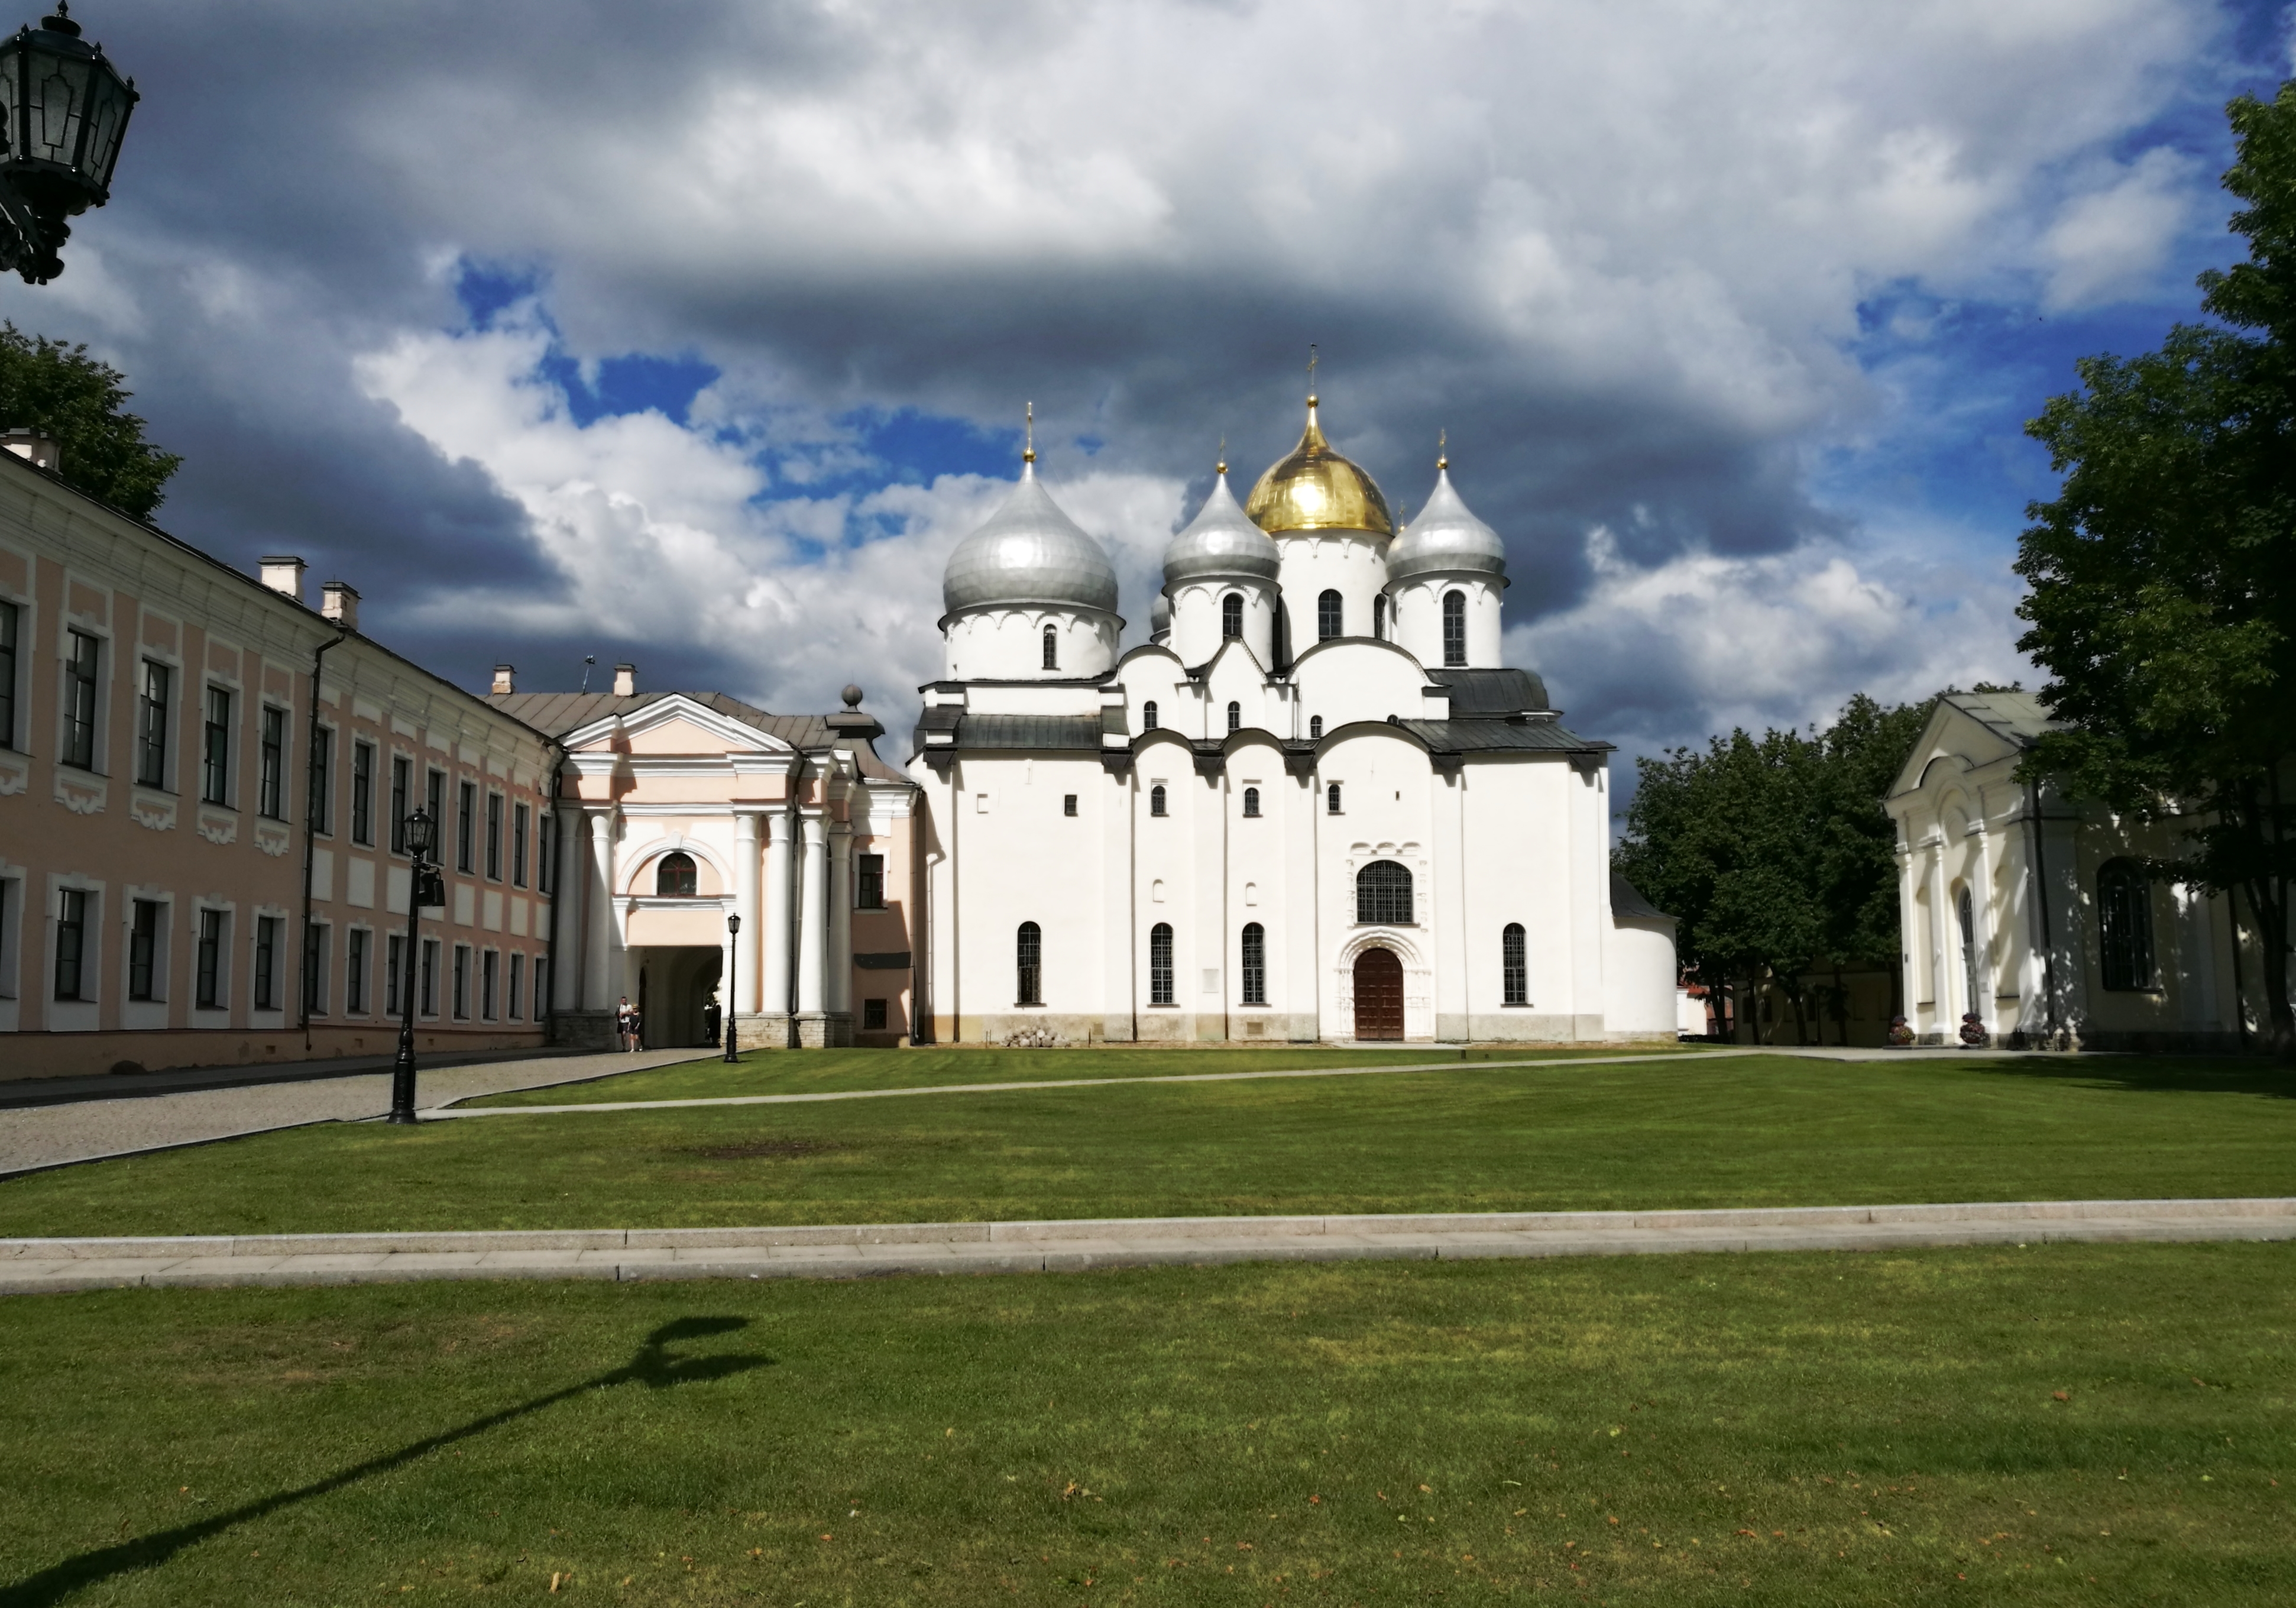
column 773, row 941
column 840, row 917
column 600, row 976
column 741, row 997
column 812, row 935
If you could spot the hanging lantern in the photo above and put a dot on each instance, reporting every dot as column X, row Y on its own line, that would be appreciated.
column 64, row 110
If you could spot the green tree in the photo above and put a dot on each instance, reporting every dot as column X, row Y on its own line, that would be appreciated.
column 2160, row 600
column 48, row 385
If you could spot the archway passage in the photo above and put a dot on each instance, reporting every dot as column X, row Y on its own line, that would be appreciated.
column 1378, row 995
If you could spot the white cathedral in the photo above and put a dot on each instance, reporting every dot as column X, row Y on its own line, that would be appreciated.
column 1315, row 806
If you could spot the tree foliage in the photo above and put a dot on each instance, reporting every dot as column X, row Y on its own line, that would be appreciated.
column 1774, row 852
column 48, row 385
column 2160, row 605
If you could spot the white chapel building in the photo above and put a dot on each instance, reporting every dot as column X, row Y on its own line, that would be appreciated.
column 1315, row 806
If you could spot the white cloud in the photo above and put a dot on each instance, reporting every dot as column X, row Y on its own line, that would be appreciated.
column 2112, row 241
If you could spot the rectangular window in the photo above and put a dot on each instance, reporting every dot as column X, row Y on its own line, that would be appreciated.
column 869, row 881
column 314, row 970
column 462, row 982
column 266, row 963
column 71, row 942
column 152, row 725
column 494, row 837
column 271, row 789
column 394, row 971
column 215, row 747
column 466, row 827
column 354, row 972
column 488, row 964
column 873, row 1015
column 144, row 950
column 11, row 619
column 322, row 786
column 435, row 801
column 541, row 988
column 79, row 701
column 546, row 846
column 517, row 979
column 402, row 783
column 430, row 977
column 519, row 817
column 1068, row 803
column 363, row 793
column 208, row 993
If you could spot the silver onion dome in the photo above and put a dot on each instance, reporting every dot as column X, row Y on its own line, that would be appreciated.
column 1446, row 539
column 1221, row 540
column 1029, row 552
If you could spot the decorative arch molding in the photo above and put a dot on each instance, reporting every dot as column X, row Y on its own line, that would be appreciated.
column 641, row 860
column 1406, row 949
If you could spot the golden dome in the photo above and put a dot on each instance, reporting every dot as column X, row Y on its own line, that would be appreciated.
column 1317, row 490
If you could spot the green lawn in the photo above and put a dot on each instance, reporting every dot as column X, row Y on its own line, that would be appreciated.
column 1692, row 1131
column 821, row 1071
column 2075, row 1424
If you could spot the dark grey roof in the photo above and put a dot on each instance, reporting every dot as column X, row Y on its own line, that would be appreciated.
column 1501, row 736
column 1626, row 901
column 1013, row 731
column 2018, row 717
column 1483, row 694
column 556, row 714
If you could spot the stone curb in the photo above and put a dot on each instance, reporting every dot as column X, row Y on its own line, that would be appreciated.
column 35, row 1266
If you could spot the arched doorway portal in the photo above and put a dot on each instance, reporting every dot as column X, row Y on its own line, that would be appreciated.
column 1378, row 995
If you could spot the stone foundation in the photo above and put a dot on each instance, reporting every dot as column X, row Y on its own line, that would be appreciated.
column 584, row 1030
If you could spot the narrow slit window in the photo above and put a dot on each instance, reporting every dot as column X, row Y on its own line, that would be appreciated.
column 215, row 748
column 1514, row 977
column 1148, row 716
column 1160, row 963
column 1315, row 728
column 1255, row 964
column 1331, row 800
column 1235, row 716
column 1051, row 649
column 79, row 702
column 1251, row 801
column 1156, row 799
column 1232, row 616
column 271, row 787
column 1454, row 627
column 1329, row 616
column 152, row 725
column 1031, row 957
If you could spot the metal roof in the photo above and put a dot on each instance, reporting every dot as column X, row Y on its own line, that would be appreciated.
column 1501, row 736
column 556, row 714
column 1627, row 901
column 1482, row 694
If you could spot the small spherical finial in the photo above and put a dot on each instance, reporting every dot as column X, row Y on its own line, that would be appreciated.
column 1029, row 453
column 852, row 696
column 1442, row 449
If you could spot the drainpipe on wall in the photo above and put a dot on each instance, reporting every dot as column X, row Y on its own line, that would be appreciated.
column 2041, row 899
column 310, row 809
column 557, row 887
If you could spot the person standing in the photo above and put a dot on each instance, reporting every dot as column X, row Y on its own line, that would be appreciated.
column 626, row 1025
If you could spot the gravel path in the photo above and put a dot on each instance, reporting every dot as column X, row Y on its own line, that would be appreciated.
column 48, row 1135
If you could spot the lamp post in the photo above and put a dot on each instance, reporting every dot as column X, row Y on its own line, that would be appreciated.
column 63, row 111
column 422, row 880
column 733, row 969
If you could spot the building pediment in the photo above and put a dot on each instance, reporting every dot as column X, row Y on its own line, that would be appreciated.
column 674, row 726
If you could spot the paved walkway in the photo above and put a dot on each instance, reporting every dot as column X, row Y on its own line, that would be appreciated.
column 87, row 1130
column 30, row 1266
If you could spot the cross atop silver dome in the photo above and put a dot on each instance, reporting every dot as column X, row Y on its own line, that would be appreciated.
column 1029, row 553
column 1447, row 537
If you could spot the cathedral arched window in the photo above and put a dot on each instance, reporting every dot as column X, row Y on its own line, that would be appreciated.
column 1232, row 616
column 1156, row 799
column 1328, row 617
column 1255, row 964
column 1384, row 894
column 1454, row 627
column 2124, row 901
column 1316, row 728
column 1148, row 716
column 1051, row 649
column 1234, row 715
column 1160, row 963
column 1514, row 970
column 1031, row 969
column 1251, row 801
column 674, row 877
column 1332, row 798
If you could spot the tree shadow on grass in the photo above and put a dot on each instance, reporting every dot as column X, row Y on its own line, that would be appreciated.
column 2155, row 1074
column 653, row 1368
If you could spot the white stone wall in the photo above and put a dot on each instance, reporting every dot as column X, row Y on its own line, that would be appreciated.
column 1418, row 606
column 1009, row 643
column 1198, row 617
column 1351, row 562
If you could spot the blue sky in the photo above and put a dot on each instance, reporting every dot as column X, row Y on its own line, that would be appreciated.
column 701, row 345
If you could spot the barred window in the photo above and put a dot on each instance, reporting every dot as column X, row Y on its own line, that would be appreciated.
column 1454, row 627
column 1384, row 894
column 1052, row 649
column 1331, row 800
column 1160, row 963
column 1251, row 801
column 1328, row 616
column 1148, row 716
column 1031, row 968
column 1513, row 974
column 1234, row 715
column 1255, row 964
column 2124, row 917
column 1315, row 728
column 1232, row 616
column 1156, row 799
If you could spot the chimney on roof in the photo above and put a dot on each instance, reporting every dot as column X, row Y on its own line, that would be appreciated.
column 285, row 575
column 625, row 681
column 504, row 686
column 339, row 602
column 36, row 446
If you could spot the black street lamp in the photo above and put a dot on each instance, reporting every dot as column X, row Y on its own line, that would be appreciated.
column 63, row 111
column 733, row 969
column 424, row 886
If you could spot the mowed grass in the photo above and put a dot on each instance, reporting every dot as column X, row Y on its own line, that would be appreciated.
column 1688, row 1132
column 2074, row 1425
column 824, row 1071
